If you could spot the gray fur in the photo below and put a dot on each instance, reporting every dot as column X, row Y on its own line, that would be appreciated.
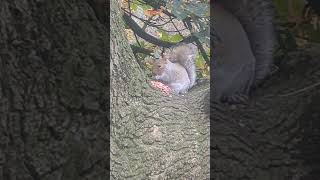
column 233, row 59
column 176, row 77
column 239, row 63
column 256, row 17
column 185, row 54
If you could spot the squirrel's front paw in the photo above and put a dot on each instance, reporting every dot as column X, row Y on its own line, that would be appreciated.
column 157, row 77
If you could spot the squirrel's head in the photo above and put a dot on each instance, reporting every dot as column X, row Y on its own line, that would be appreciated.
column 159, row 65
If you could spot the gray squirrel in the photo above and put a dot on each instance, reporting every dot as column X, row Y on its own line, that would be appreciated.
column 176, row 69
column 241, row 58
column 242, row 55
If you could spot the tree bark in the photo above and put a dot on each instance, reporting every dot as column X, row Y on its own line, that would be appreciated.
column 53, row 109
column 153, row 136
column 276, row 136
column 52, row 91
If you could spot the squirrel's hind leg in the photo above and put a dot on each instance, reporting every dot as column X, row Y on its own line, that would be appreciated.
column 178, row 88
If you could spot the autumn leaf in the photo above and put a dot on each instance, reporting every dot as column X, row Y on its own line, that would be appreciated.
column 153, row 12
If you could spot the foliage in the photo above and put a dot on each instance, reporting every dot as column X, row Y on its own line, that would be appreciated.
column 169, row 21
column 303, row 22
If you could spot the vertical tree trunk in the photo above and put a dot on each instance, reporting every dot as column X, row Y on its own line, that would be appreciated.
column 152, row 136
column 52, row 91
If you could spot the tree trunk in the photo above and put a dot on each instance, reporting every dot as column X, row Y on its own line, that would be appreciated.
column 152, row 136
column 52, row 91
column 276, row 136
column 53, row 109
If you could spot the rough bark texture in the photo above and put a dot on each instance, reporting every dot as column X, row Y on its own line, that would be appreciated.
column 275, row 137
column 153, row 136
column 52, row 91
column 53, row 109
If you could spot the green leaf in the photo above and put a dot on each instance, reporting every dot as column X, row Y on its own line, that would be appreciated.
column 133, row 7
column 164, row 36
column 176, row 38
column 146, row 7
column 199, row 61
column 178, row 11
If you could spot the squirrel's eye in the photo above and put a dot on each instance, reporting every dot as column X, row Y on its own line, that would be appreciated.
column 159, row 66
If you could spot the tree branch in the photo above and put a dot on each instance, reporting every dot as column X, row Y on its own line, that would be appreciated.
column 137, row 49
column 203, row 52
column 136, row 29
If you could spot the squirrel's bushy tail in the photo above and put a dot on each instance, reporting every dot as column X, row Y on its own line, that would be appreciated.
column 185, row 55
column 256, row 17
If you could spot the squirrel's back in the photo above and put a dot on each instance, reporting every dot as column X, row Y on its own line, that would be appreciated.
column 241, row 63
column 256, row 17
column 233, row 61
column 185, row 55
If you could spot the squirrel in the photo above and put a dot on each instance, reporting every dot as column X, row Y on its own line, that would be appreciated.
column 177, row 69
column 243, row 54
